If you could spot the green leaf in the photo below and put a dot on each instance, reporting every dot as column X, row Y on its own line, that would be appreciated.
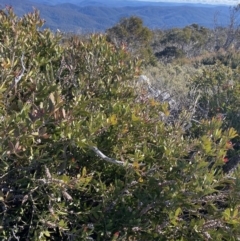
column 65, row 178
column 178, row 211
column 232, row 133
column 46, row 233
column 235, row 213
column 135, row 118
column 84, row 172
column 62, row 224
column 226, row 214
column 206, row 144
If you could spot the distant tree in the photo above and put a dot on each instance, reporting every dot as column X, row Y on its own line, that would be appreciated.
column 232, row 29
column 191, row 40
column 169, row 53
column 131, row 33
column 231, row 32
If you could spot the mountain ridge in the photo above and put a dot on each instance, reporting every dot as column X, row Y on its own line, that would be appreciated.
column 99, row 15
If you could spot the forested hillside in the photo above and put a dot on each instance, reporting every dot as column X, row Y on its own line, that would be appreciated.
column 96, row 16
column 128, row 135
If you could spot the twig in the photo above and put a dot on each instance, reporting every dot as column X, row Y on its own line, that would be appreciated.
column 4, row 175
column 14, row 235
column 107, row 159
column 18, row 78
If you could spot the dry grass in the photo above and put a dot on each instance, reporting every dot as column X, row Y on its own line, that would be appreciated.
column 172, row 78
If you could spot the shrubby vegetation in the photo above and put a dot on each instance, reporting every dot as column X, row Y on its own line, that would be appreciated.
column 87, row 154
column 136, row 38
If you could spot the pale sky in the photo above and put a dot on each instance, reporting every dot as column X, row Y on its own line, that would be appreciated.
column 228, row 2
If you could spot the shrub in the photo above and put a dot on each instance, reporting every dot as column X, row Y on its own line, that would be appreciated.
column 83, row 156
column 219, row 89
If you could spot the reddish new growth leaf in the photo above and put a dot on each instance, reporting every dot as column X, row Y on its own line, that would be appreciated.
column 225, row 159
column 115, row 236
column 229, row 145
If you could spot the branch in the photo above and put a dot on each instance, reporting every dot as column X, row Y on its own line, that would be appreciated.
column 107, row 159
column 18, row 78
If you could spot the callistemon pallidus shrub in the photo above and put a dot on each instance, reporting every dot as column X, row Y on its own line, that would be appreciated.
column 83, row 157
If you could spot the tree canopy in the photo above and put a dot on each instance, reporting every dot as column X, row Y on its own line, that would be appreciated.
column 131, row 33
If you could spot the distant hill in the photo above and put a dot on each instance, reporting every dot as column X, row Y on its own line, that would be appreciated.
column 98, row 15
column 114, row 3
